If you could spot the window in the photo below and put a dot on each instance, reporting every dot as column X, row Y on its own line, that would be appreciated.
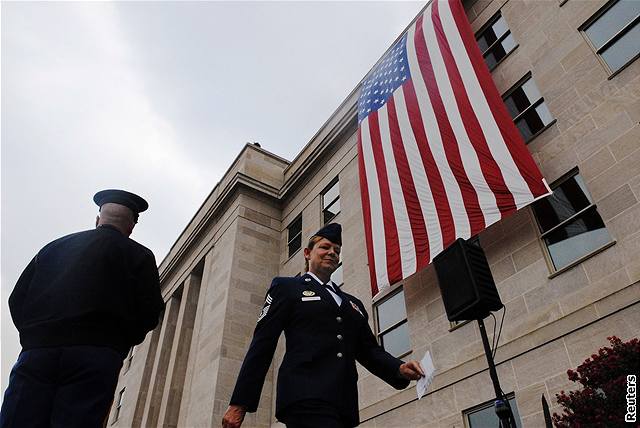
column 336, row 277
column 294, row 235
column 614, row 32
column 119, row 404
column 393, row 330
column 484, row 415
column 495, row 41
column 528, row 109
column 569, row 223
column 331, row 202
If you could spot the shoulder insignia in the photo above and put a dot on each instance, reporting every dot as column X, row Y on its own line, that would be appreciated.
column 307, row 279
column 265, row 308
column 308, row 293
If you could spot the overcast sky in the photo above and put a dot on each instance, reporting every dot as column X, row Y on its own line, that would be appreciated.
column 158, row 98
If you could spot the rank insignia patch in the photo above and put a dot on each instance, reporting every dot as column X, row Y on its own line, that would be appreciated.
column 265, row 309
column 308, row 293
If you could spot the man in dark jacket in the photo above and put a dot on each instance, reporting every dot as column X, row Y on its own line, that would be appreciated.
column 326, row 332
column 79, row 305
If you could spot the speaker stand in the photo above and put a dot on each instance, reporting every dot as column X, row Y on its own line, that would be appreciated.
column 501, row 404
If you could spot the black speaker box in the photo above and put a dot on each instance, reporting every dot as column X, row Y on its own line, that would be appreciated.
column 466, row 284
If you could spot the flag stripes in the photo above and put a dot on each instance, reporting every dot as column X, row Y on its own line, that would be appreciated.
column 439, row 155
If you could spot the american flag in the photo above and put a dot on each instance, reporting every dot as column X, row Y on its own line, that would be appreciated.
column 439, row 155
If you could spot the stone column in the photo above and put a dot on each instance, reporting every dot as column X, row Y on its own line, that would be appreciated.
column 151, row 349
column 174, row 385
column 161, row 363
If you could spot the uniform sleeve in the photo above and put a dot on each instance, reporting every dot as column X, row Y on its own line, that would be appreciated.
column 375, row 359
column 271, row 322
column 16, row 299
column 148, row 299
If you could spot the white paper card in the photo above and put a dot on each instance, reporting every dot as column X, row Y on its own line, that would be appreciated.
column 429, row 371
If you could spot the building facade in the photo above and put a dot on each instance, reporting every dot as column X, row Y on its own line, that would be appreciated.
column 567, row 267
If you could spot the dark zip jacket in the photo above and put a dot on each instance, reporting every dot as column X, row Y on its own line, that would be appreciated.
column 96, row 287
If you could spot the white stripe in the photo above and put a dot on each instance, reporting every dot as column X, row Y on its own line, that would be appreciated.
column 470, row 162
column 514, row 181
column 403, row 225
column 375, row 206
column 420, row 180
column 454, row 196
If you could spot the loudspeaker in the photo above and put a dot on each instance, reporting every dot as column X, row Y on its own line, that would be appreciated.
column 466, row 284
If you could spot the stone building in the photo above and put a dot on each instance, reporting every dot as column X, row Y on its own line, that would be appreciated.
column 567, row 271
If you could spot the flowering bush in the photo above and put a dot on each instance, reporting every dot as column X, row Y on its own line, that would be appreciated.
column 601, row 402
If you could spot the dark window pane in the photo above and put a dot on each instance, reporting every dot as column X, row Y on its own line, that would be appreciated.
column 567, row 199
column 491, row 59
column 391, row 311
column 396, row 341
column 331, row 194
column 483, row 43
column 612, row 21
column 517, row 102
column 487, row 418
column 336, row 277
column 576, row 239
column 625, row 48
column 295, row 244
column 486, row 39
column 500, row 50
column 492, row 50
column 294, row 235
column 533, row 121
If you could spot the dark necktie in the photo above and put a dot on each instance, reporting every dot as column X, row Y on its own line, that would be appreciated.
column 329, row 286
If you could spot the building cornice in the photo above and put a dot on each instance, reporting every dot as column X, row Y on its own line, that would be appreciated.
column 319, row 146
column 230, row 184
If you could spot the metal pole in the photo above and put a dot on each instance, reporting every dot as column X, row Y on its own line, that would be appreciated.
column 502, row 407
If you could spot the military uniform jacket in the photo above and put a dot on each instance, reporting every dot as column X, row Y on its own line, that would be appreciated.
column 96, row 287
column 323, row 342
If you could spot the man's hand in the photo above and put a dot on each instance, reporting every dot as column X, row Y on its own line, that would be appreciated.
column 233, row 417
column 411, row 370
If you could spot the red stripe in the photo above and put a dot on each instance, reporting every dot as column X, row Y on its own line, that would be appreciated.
column 366, row 214
column 438, row 193
column 418, row 228
column 452, row 151
column 394, row 263
column 519, row 152
column 490, row 169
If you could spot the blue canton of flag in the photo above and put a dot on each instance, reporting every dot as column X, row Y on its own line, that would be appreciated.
column 390, row 73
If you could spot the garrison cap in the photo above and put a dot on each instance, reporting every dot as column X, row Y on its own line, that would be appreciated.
column 130, row 200
column 331, row 231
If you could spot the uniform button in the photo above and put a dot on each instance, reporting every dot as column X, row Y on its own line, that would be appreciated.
column 339, row 337
column 339, row 319
column 339, row 354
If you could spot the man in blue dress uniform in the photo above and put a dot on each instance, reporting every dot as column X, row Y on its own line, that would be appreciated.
column 326, row 332
column 79, row 306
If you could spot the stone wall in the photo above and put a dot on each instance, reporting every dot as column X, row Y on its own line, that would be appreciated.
column 215, row 276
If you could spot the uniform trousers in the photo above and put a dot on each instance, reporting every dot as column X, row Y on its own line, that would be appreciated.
column 68, row 386
column 313, row 414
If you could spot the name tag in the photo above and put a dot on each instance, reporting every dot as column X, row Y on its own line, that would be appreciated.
column 306, row 299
